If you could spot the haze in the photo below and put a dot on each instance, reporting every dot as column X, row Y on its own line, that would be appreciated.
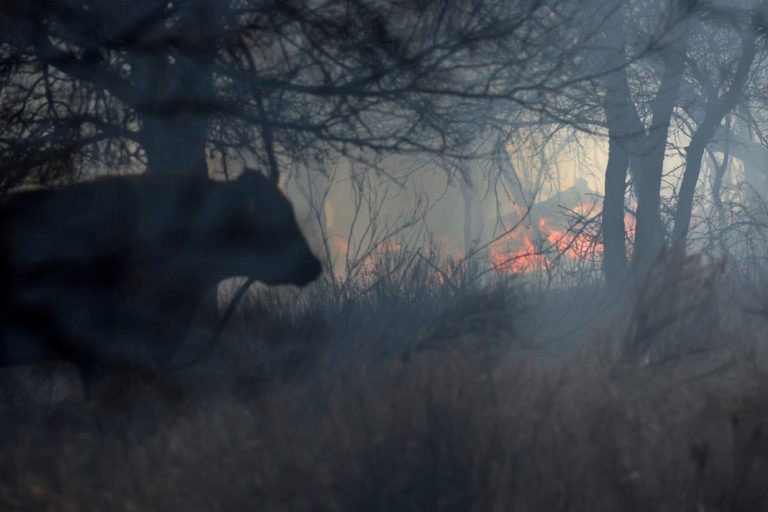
column 365, row 255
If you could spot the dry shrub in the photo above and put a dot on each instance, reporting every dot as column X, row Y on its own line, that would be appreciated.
column 471, row 414
column 675, row 309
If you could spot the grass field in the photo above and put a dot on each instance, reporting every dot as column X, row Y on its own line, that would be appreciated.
column 420, row 397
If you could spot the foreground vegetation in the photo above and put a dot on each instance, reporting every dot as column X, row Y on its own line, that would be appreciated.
column 407, row 394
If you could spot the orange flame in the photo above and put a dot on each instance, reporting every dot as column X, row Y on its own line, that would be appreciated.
column 556, row 242
column 516, row 261
column 525, row 250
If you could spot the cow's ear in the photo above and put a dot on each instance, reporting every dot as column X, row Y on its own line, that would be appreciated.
column 252, row 177
column 255, row 189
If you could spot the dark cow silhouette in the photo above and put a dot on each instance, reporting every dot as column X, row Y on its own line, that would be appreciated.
column 111, row 272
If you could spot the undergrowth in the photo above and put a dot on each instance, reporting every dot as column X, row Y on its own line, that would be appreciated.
column 420, row 395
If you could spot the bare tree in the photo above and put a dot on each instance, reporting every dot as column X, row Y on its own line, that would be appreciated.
column 685, row 57
column 167, row 86
column 721, row 67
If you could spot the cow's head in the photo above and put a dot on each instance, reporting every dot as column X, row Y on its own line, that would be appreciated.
column 250, row 230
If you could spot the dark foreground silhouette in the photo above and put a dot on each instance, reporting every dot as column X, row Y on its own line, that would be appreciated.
column 111, row 272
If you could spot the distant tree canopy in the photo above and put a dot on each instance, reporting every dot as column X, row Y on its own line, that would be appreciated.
column 168, row 86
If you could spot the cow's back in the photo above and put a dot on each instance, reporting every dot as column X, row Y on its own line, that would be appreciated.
column 64, row 253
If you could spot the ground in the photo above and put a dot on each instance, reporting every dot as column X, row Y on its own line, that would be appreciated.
column 508, row 397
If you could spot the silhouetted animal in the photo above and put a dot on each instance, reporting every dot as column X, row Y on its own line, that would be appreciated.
column 110, row 272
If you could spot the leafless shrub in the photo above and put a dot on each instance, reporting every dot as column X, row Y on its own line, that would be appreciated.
column 674, row 310
column 481, row 413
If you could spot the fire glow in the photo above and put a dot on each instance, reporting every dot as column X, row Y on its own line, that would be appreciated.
column 536, row 247
column 531, row 247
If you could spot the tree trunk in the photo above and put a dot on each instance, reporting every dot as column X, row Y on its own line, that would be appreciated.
column 717, row 182
column 176, row 94
column 624, row 129
column 466, row 195
column 174, row 114
column 650, row 232
column 684, row 211
column 614, row 253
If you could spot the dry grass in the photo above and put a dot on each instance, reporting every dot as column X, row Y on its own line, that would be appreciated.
column 489, row 407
